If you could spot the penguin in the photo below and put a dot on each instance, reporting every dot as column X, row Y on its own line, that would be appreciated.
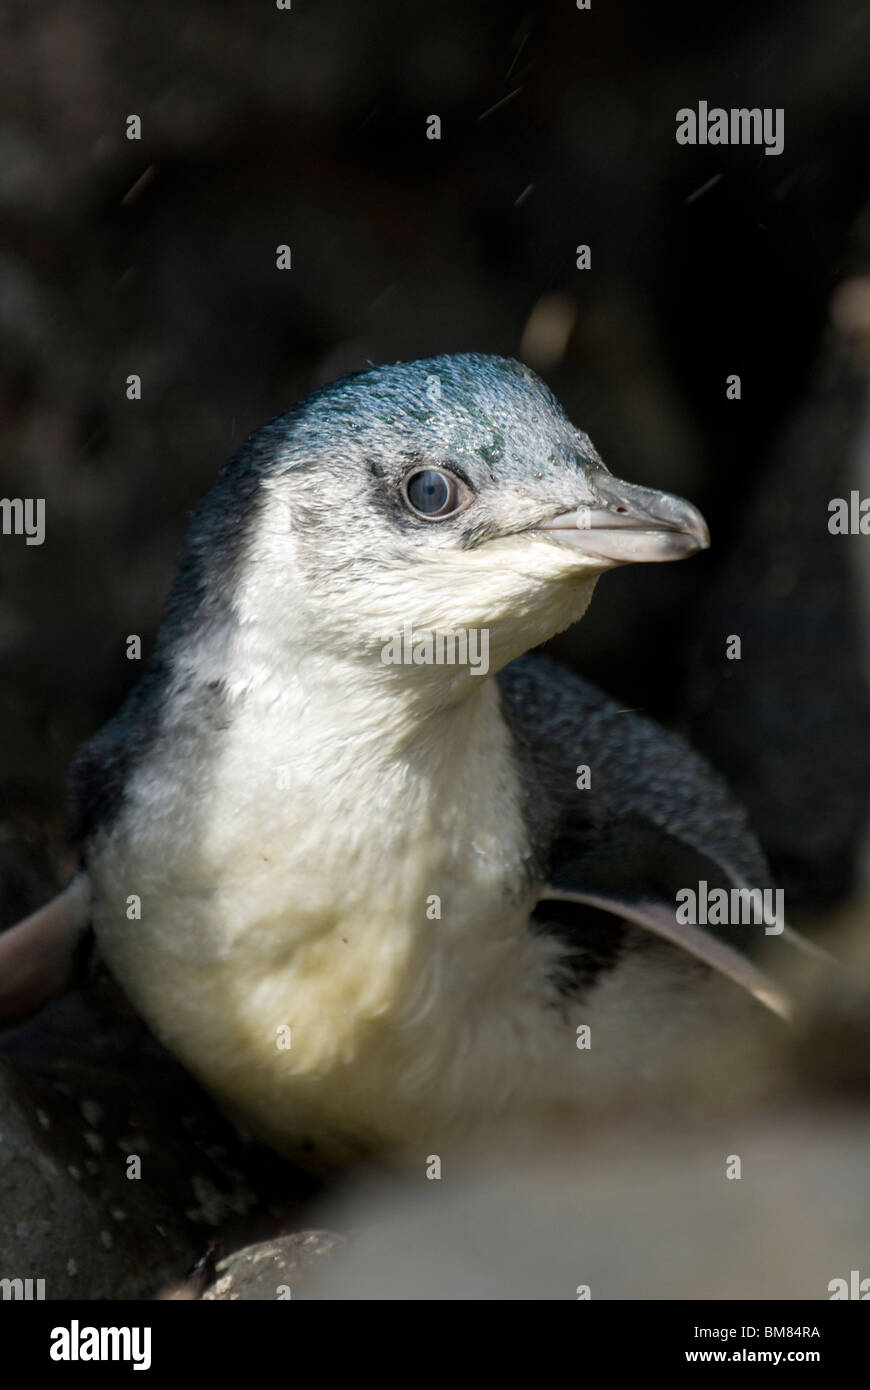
column 366, row 888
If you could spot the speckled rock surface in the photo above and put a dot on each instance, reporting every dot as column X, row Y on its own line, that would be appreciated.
column 71, row 1215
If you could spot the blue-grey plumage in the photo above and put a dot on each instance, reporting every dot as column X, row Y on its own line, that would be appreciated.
column 369, row 888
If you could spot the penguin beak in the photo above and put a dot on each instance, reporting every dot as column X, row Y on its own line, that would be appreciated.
column 630, row 524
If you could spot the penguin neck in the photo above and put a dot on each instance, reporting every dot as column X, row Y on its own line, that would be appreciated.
column 381, row 713
column 349, row 774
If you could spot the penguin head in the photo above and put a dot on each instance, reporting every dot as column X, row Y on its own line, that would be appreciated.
column 445, row 494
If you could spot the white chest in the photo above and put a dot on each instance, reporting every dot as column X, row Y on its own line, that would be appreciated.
column 333, row 929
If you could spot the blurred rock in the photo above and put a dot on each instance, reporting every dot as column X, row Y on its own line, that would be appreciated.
column 629, row 1215
column 274, row 1269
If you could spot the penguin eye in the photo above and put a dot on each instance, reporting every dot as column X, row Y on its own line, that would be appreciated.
column 434, row 494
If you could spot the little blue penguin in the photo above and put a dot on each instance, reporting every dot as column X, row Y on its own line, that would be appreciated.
column 361, row 863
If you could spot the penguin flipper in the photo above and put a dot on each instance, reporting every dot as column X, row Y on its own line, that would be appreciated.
column 651, row 818
column 37, row 955
column 633, row 870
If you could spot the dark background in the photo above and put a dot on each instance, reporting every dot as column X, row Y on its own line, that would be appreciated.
column 308, row 127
